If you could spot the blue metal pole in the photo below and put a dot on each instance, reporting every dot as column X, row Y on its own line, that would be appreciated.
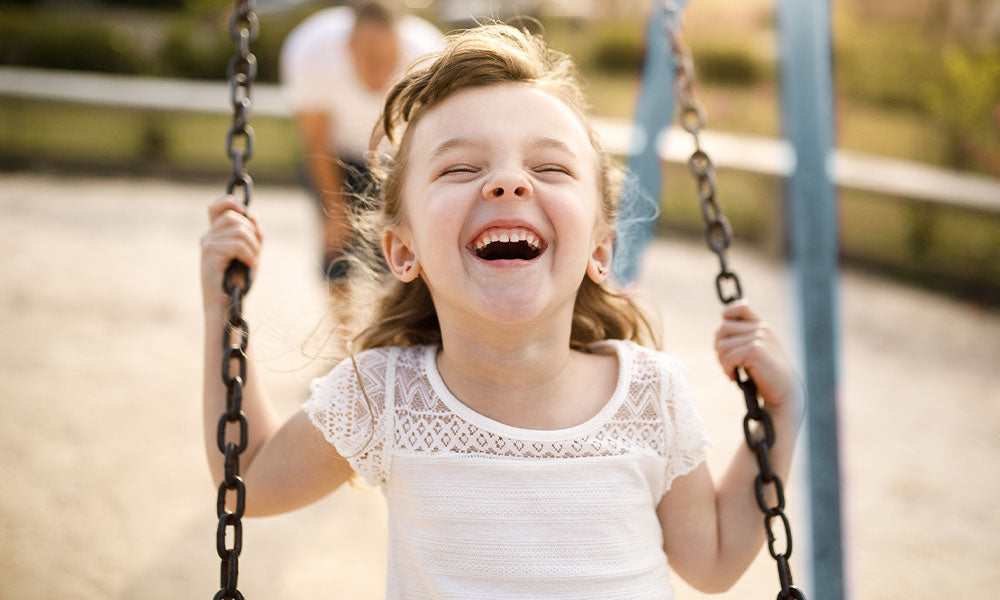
column 653, row 114
column 807, row 115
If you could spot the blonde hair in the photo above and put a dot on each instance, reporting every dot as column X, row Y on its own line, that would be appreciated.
column 403, row 313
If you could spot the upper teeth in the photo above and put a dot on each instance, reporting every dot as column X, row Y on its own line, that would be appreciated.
column 506, row 235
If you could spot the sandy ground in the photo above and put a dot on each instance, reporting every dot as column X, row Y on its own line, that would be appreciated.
column 104, row 492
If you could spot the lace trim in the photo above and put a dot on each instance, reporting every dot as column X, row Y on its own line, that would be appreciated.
column 441, row 391
column 656, row 414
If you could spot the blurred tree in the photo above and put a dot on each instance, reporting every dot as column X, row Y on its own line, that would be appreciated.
column 207, row 7
column 966, row 100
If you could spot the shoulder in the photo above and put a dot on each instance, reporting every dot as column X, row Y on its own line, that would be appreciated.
column 645, row 363
column 337, row 21
column 655, row 377
column 350, row 407
column 326, row 28
column 365, row 369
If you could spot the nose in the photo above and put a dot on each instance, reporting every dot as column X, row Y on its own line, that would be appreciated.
column 510, row 184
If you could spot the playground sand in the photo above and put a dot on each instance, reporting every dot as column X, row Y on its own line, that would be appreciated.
column 105, row 493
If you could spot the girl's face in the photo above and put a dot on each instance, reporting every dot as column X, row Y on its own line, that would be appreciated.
column 500, row 210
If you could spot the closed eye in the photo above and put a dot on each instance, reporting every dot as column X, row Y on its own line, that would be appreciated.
column 459, row 169
column 552, row 168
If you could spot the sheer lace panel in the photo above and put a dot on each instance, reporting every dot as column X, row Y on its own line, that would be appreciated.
column 687, row 436
column 356, row 428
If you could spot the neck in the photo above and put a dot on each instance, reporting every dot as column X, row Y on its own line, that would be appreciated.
column 506, row 366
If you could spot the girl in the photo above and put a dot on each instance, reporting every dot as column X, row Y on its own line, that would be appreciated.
column 528, row 446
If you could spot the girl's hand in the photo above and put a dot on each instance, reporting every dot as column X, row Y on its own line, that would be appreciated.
column 232, row 234
column 745, row 340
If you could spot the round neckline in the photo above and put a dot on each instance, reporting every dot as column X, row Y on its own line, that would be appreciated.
column 483, row 422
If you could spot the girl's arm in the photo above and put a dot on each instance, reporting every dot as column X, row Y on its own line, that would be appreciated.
column 284, row 466
column 712, row 534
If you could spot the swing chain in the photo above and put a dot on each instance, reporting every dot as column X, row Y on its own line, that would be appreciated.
column 242, row 71
column 719, row 236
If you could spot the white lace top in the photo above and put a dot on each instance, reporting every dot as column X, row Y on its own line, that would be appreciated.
column 479, row 509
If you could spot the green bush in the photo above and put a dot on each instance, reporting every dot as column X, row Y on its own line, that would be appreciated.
column 885, row 64
column 201, row 47
column 618, row 49
column 728, row 65
column 193, row 44
column 964, row 99
column 58, row 42
column 195, row 51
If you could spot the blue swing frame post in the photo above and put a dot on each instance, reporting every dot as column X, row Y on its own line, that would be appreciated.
column 811, row 218
column 654, row 112
column 812, row 230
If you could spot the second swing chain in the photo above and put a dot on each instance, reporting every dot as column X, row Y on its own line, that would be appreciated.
column 719, row 236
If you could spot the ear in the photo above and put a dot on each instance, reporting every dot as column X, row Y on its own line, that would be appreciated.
column 599, row 266
column 400, row 257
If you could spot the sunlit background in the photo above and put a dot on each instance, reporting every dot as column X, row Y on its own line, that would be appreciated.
column 917, row 81
column 129, row 97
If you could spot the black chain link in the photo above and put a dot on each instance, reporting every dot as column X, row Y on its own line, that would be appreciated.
column 242, row 71
column 719, row 236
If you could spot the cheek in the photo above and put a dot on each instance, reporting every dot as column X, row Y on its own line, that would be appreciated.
column 434, row 219
column 581, row 212
column 448, row 203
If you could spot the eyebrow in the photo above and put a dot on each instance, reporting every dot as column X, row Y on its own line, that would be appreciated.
column 467, row 142
column 459, row 142
column 553, row 143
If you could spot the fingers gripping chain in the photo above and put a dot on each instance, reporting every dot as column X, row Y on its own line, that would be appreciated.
column 236, row 332
column 718, row 235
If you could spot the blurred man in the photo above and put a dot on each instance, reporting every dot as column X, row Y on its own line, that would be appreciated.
column 336, row 67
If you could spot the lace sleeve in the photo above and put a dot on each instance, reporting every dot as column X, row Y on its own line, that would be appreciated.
column 686, row 434
column 356, row 426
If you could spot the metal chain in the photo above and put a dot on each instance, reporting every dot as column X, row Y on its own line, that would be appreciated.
column 719, row 236
column 242, row 71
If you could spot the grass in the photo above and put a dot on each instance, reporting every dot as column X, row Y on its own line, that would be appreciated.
column 953, row 250
column 933, row 246
column 748, row 200
column 900, row 133
column 36, row 133
column 274, row 148
column 64, row 131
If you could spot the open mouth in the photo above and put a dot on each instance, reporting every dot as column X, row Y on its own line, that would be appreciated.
column 507, row 244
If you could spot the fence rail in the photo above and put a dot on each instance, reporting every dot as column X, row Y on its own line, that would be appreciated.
column 743, row 152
